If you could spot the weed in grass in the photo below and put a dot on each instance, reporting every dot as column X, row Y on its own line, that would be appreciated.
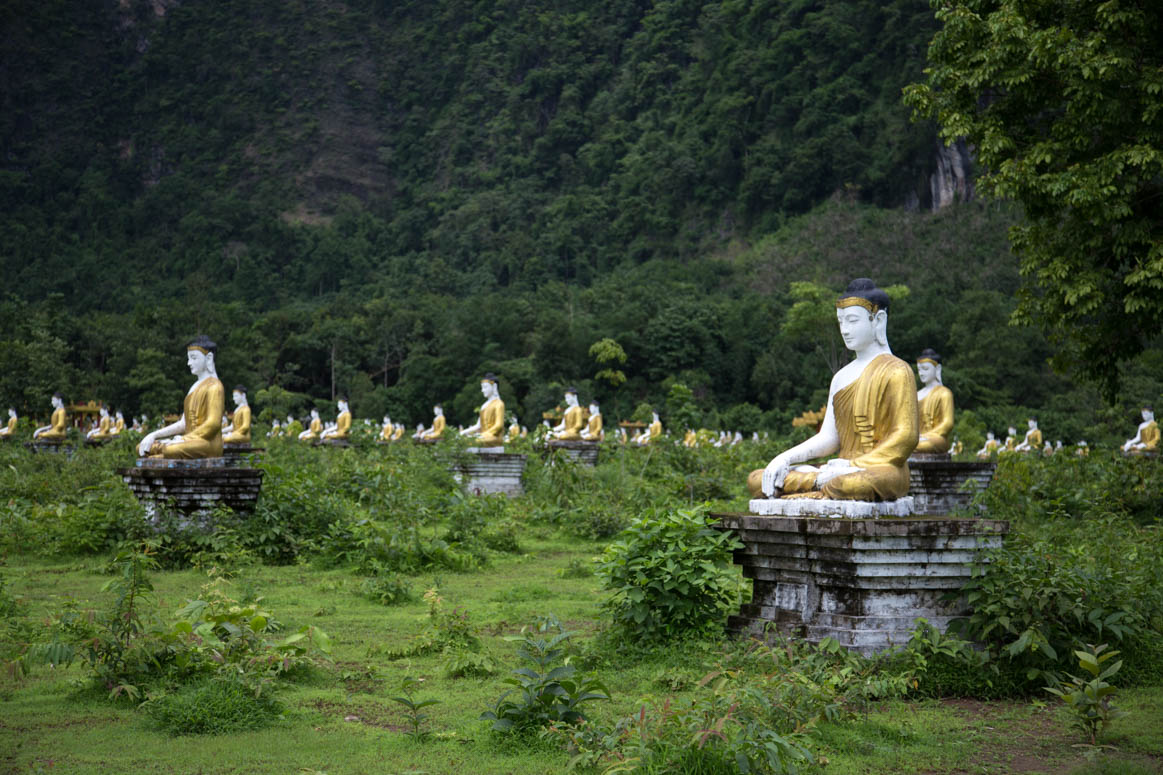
column 414, row 707
column 389, row 589
column 1089, row 700
column 212, row 706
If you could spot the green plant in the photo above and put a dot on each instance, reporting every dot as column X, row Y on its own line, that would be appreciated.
column 389, row 589
column 414, row 707
column 545, row 694
column 670, row 574
column 212, row 706
column 1089, row 700
column 446, row 630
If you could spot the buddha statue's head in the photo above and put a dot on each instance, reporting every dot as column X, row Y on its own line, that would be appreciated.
column 571, row 397
column 489, row 386
column 387, row 420
column 200, row 355
column 58, row 401
column 594, row 408
column 1148, row 414
column 341, row 404
column 314, row 414
column 275, row 423
column 929, row 367
column 1031, row 423
column 438, row 410
column 102, row 412
column 11, row 412
column 862, row 312
column 239, row 395
column 989, row 436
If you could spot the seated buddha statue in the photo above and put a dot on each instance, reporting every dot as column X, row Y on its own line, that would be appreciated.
column 9, row 429
column 871, row 417
column 572, row 421
column 689, row 438
column 514, row 431
column 593, row 430
column 314, row 428
column 276, row 429
column 1033, row 440
column 198, row 432
column 489, row 428
column 118, row 424
column 1011, row 440
column 55, row 430
column 935, row 405
column 991, row 446
column 653, row 432
column 1082, row 449
column 439, row 423
column 342, row 428
column 238, row 432
column 1146, row 440
column 386, row 429
column 101, row 431
column 957, row 447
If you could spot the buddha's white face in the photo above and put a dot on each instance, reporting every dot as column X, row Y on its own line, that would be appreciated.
column 857, row 327
column 488, row 389
column 1013, row 431
column 927, row 371
column 57, row 402
column 237, row 398
column 196, row 360
column 1148, row 415
column 571, row 399
column 989, row 435
column 11, row 412
column 594, row 409
column 342, row 406
column 1032, row 424
column 436, row 410
column 314, row 414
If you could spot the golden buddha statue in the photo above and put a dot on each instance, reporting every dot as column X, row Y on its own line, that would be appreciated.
column 957, row 447
column 871, row 417
column 990, row 447
column 1146, row 440
column 100, row 432
column 342, row 427
column 1082, row 450
column 238, row 432
column 198, row 432
column 9, row 429
column 276, row 429
column 386, row 429
column 118, row 424
column 652, row 432
column 313, row 429
column 1011, row 440
column 1033, row 440
column 58, row 423
column 593, row 430
column 398, row 433
column 572, row 422
column 689, row 439
column 490, row 425
column 935, row 405
column 514, row 431
column 439, row 423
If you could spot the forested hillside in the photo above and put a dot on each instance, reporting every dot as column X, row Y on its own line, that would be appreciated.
column 385, row 198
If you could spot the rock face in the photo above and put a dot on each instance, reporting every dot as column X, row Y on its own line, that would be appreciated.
column 951, row 181
column 863, row 582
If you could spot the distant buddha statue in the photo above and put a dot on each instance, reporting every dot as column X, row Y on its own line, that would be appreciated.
column 238, row 432
column 118, row 424
column 55, row 430
column 1011, row 440
column 689, row 439
column 653, row 432
column 9, row 428
column 1146, row 440
column 1033, row 439
column 957, row 447
column 593, row 430
column 439, row 423
column 991, row 446
column 386, row 429
column 198, row 432
column 1082, row 450
column 276, row 429
column 490, row 425
column 514, row 431
column 313, row 429
column 934, row 404
column 572, row 422
column 104, row 425
column 871, row 417
column 342, row 427
column 1048, row 449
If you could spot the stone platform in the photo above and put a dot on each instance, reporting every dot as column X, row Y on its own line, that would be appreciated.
column 940, row 487
column 51, row 447
column 193, row 486
column 863, row 582
column 581, row 452
column 239, row 454
column 338, row 443
column 490, row 470
column 830, row 509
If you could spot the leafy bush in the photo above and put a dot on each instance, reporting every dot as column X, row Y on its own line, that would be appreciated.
column 212, row 706
column 376, row 547
column 1089, row 700
column 670, row 574
column 389, row 589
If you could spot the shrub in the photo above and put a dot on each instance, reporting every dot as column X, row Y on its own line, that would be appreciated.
column 670, row 574
column 212, row 706
column 390, row 589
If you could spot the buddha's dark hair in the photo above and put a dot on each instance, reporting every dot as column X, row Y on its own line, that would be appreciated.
column 489, row 376
column 58, row 395
column 571, row 390
column 864, row 288
column 205, row 342
column 1148, row 407
column 341, row 398
column 929, row 353
column 594, row 403
column 240, row 389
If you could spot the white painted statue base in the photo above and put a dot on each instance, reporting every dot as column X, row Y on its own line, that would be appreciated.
column 812, row 507
column 486, row 450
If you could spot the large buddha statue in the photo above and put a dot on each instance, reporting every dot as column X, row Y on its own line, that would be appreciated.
column 489, row 428
column 198, row 432
column 935, row 405
column 1146, row 440
column 238, row 432
column 1033, row 440
column 342, row 427
column 593, row 430
column 313, row 429
column 871, row 417
column 439, row 423
column 572, row 422
column 9, row 429
column 58, row 423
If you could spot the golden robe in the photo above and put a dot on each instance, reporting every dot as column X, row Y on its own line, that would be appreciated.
column 59, row 423
column 878, row 422
column 202, row 411
column 103, row 428
column 1148, row 437
column 1034, row 440
column 594, row 429
column 240, row 433
column 936, row 414
column 398, row 433
column 342, row 426
column 386, row 432
column 438, row 425
column 492, row 424
column 314, row 429
column 574, row 422
column 655, row 430
column 10, row 428
column 118, row 427
column 991, row 446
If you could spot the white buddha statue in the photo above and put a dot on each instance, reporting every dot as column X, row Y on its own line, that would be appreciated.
column 439, row 423
column 651, row 433
column 276, row 429
column 342, row 427
column 871, row 417
column 314, row 428
column 991, row 446
column 118, row 424
column 1083, row 450
column 198, row 433
column 593, row 430
column 1033, row 439
column 238, row 432
column 9, row 429
column 489, row 428
column 57, row 427
column 100, row 432
column 1146, row 439
column 572, row 422
column 1011, row 440
column 935, row 405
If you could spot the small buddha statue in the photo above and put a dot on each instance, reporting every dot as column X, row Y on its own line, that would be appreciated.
column 58, row 423
column 689, row 439
column 490, row 424
column 514, row 431
column 342, row 427
column 238, row 432
column 593, row 430
column 198, row 432
column 276, row 429
column 1048, row 449
column 651, row 433
column 314, row 428
column 1082, row 450
column 524, row 432
column 1146, row 440
column 386, row 429
column 935, row 404
column 9, row 429
column 572, row 421
column 101, row 431
column 991, row 446
column 118, row 424
column 871, row 417
column 957, row 447
column 439, row 423
column 1011, row 440
column 398, row 432
column 1033, row 439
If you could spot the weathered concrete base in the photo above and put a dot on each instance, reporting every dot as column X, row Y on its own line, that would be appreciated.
column 51, row 447
column 930, row 457
column 863, row 582
column 942, row 487
column 193, row 487
column 241, row 454
column 831, row 509
column 488, row 471
column 581, row 452
column 341, row 443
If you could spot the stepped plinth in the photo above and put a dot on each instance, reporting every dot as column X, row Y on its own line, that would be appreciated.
column 194, row 488
column 490, row 470
column 583, row 453
column 940, row 486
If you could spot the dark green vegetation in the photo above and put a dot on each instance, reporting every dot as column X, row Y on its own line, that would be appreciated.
column 315, row 634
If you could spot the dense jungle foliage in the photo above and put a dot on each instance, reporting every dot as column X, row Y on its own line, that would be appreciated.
column 384, row 200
